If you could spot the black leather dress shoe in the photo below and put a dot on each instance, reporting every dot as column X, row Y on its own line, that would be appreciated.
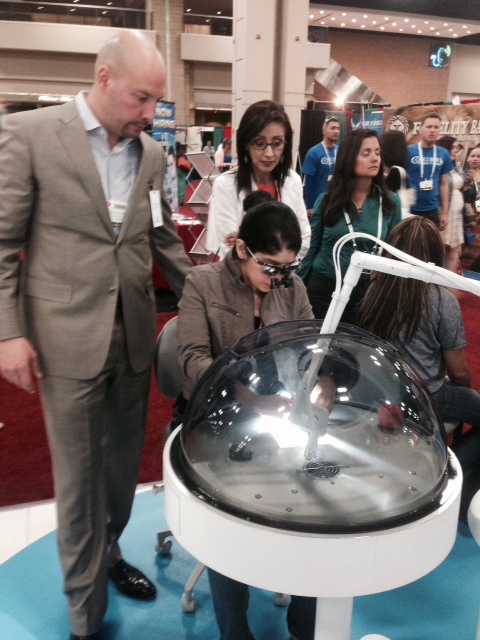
column 93, row 636
column 132, row 582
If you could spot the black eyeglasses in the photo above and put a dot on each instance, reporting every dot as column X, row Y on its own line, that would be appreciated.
column 276, row 270
column 261, row 145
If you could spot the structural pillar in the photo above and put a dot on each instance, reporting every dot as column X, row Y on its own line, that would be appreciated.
column 270, row 38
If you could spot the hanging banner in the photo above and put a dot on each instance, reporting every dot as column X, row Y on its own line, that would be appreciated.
column 370, row 119
column 460, row 121
column 163, row 131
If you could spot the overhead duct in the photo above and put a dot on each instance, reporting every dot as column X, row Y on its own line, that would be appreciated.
column 346, row 87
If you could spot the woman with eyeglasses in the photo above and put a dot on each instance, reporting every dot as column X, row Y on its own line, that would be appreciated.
column 357, row 200
column 255, row 285
column 264, row 155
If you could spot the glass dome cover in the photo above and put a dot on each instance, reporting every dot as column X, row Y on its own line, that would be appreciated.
column 318, row 433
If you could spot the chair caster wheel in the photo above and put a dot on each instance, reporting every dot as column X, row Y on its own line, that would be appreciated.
column 163, row 548
column 282, row 599
column 188, row 602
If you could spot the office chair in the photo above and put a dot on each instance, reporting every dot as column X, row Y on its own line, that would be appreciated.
column 169, row 377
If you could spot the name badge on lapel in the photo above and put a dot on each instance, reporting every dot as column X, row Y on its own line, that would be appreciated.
column 156, row 207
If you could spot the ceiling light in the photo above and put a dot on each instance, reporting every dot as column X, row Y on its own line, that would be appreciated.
column 400, row 29
column 426, row 21
column 187, row 10
column 72, row 10
column 344, row 14
column 219, row 13
column 365, row 17
column 322, row 22
column 445, row 24
column 438, row 33
column 382, row 28
column 419, row 31
column 374, row 22
column 40, row 8
column 353, row 20
column 362, row 27
column 332, row 18
column 322, row 12
column 450, row 30
column 394, row 24
column 343, row 24
column 310, row 17
column 469, row 32
column 407, row 20
column 104, row 12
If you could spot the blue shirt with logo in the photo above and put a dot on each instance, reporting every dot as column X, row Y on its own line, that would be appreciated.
column 317, row 168
column 427, row 200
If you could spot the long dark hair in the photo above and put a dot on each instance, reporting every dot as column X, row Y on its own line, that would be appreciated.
column 258, row 116
column 394, row 149
column 393, row 302
column 342, row 185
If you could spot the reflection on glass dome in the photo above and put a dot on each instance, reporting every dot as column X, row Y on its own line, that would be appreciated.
column 316, row 433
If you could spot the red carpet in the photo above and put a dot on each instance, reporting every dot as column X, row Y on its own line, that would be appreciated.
column 24, row 457
column 25, row 474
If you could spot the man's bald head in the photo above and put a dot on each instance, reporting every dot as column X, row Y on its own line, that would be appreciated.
column 129, row 80
column 125, row 51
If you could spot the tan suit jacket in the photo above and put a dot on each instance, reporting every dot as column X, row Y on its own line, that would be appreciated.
column 64, row 294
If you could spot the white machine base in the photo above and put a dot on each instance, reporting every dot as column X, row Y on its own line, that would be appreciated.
column 332, row 568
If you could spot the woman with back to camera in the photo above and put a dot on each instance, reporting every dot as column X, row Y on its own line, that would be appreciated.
column 424, row 322
column 357, row 200
column 394, row 153
column 255, row 285
column 264, row 155
column 394, row 150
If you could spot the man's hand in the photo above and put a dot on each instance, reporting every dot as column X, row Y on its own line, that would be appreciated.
column 19, row 363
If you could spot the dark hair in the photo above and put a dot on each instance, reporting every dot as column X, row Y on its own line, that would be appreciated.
column 339, row 196
column 420, row 238
column 446, row 142
column 329, row 119
column 270, row 227
column 258, row 116
column 256, row 197
column 394, row 149
column 431, row 114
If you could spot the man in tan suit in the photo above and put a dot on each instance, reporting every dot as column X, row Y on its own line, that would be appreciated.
column 81, row 192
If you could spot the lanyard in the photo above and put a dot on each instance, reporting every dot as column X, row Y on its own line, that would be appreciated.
column 420, row 155
column 331, row 161
column 379, row 228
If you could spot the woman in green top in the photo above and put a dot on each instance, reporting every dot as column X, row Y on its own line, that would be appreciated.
column 357, row 200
